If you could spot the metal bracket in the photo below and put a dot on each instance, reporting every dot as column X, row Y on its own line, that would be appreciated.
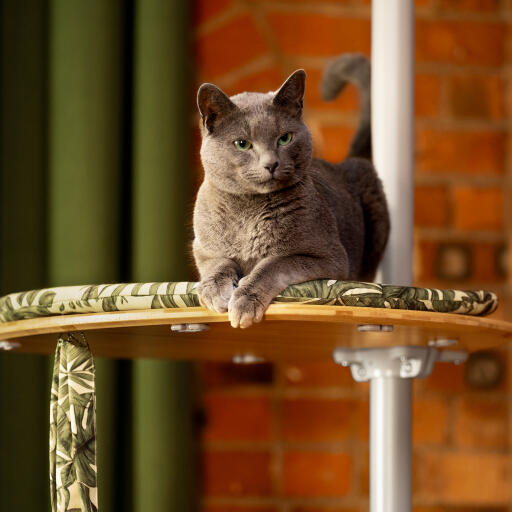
column 189, row 327
column 407, row 362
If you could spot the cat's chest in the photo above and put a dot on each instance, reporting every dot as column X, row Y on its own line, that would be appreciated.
column 254, row 231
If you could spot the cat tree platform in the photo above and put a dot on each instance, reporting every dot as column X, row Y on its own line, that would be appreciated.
column 388, row 347
column 290, row 332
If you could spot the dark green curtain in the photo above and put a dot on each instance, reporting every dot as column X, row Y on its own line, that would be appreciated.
column 94, row 187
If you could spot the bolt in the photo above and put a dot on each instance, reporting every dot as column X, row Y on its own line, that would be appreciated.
column 442, row 342
column 247, row 359
column 189, row 327
column 9, row 345
column 407, row 367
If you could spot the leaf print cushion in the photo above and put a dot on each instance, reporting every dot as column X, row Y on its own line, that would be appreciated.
column 73, row 470
column 132, row 296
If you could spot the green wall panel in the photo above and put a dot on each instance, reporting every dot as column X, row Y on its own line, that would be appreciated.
column 163, row 437
column 24, row 383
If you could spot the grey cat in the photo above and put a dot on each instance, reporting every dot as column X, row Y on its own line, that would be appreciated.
column 268, row 214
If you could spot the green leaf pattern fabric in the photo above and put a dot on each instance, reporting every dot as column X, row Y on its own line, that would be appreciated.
column 133, row 296
column 73, row 478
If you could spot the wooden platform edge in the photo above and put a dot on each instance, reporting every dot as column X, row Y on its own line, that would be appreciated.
column 287, row 312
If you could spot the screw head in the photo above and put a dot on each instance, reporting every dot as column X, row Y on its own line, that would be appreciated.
column 247, row 359
column 9, row 345
column 407, row 367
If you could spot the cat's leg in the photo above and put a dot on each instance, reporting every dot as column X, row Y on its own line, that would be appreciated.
column 272, row 275
column 219, row 276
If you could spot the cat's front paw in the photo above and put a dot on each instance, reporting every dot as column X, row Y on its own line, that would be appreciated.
column 245, row 308
column 215, row 293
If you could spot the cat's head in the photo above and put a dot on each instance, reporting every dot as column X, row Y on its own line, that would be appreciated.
column 255, row 142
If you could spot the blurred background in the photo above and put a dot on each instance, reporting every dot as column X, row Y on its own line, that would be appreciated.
column 98, row 170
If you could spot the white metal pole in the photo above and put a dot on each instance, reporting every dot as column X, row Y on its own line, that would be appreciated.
column 390, row 444
column 393, row 154
column 393, row 127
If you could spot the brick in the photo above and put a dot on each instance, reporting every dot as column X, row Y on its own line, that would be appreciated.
column 230, row 418
column 461, row 152
column 317, row 374
column 205, row 10
column 486, row 263
column 417, row 3
column 502, row 258
column 295, row 2
column 325, row 420
column 481, row 423
column 460, row 509
column 229, row 374
column 236, row 474
column 424, row 261
column 444, row 378
column 309, row 474
column 430, row 417
column 457, row 42
column 461, row 478
column 427, row 95
column 339, row 34
column 266, row 80
column 347, row 101
column 334, row 143
column 230, row 46
column 477, row 97
column 508, row 96
column 478, row 208
column 431, row 206
column 239, row 508
column 364, row 473
column 327, row 508
column 486, row 6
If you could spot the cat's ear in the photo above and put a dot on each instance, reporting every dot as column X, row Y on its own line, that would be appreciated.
column 291, row 93
column 213, row 104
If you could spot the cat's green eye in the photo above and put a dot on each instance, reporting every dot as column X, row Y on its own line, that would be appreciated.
column 285, row 139
column 242, row 145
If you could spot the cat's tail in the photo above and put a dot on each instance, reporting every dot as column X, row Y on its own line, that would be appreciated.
column 354, row 68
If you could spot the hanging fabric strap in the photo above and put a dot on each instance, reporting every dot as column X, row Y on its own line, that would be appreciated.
column 73, row 472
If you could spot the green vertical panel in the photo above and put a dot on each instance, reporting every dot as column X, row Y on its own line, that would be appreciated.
column 84, row 139
column 24, row 387
column 162, row 403
column 84, row 169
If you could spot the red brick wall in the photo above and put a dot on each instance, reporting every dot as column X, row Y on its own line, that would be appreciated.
column 293, row 438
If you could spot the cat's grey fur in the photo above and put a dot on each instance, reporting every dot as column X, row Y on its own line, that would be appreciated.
column 258, row 230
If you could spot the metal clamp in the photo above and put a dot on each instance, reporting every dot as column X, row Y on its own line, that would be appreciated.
column 407, row 362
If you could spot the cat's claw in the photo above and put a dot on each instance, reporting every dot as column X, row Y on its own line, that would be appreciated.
column 215, row 296
column 245, row 309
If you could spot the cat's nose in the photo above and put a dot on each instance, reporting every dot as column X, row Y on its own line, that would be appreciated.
column 271, row 167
